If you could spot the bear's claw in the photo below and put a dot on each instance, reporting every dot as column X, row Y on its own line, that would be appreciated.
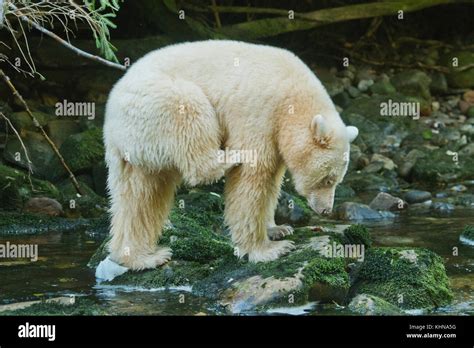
column 279, row 232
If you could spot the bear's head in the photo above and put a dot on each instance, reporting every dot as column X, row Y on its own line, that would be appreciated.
column 320, row 161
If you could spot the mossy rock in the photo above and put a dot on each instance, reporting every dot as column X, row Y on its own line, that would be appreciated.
column 439, row 167
column 14, row 223
column 467, row 235
column 408, row 278
column 39, row 152
column 205, row 259
column 457, row 78
column 15, row 188
column 81, row 306
column 87, row 205
column 364, row 304
column 413, row 83
column 22, row 121
column 80, row 151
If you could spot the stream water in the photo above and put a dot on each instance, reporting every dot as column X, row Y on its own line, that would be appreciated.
column 61, row 271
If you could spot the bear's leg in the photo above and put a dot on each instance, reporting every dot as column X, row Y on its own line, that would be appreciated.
column 274, row 231
column 141, row 201
column 248, row 194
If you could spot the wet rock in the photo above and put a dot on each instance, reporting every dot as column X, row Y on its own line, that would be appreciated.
column 365, row 304
column 406, row 165
column 39, row 153
column 60, row 130
column 332, row 84
column 406, row 278
column 342, row 99
column 439, row 166
column 99, row 176
column 80, row 151
column 358, row 212
column 387, row 163
column 457, row 78
column 15, row 188
column 206, row 261
column 417, row 196
column 87, row 205
column 442, row 207
column 383, row 86
column 385, row 201
column 364, row 182
column 291, row 210
column 413, row 83
column 353, row 92
column 470, row 112
column 467, row 235
column 364, row 85
column 22, row 121
column 44, row 205
column 439, row 84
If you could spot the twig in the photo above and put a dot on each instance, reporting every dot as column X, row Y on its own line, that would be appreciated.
column 64, row 42
column 28, row 161
column 43, row 132
column 216, row 14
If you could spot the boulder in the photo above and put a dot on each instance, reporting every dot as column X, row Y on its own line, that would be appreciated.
column 38, row 149
column 359, row 212
column 455, row 60
column 467, row 235
column 385, row 201
column 44, row 205
column 407, row 278
column 413, row 83
column 291, row 210
column 80, row 151
column 417, row 196
column 364, row 304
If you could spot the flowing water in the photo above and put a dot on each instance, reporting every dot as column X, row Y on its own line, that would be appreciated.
column 61, row 271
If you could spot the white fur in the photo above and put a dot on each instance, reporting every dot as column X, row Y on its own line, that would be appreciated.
column 176, row 107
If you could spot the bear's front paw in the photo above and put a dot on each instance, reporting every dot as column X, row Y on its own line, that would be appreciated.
column 270, row 250
column 279, row 232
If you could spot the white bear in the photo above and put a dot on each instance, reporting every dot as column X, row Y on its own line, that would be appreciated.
column 171, row 115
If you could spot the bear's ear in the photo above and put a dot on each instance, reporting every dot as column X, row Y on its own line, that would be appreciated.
column 352, row 133
column 319, row 129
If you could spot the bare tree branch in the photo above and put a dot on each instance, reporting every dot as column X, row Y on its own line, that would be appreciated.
column 64, row 42
column 43, row 132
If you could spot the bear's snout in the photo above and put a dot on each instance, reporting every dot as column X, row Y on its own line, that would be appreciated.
column 321, row 206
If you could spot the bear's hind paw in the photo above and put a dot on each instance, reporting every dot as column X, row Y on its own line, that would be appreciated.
column 271, row 251
column 151, row 260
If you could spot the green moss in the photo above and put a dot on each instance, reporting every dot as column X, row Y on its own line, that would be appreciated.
column 330, row 271
column 357, row 234
column 420, row 282
column 88, row 205
column 80, row 151
column 13, row 223
column 15, row 188
column 81, row 306
column 438, row 166
column 468, row 233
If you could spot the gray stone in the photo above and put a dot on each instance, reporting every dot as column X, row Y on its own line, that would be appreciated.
column 44, row 205
column 416, row 196
column 413, row 83
column 385, row 201
column 358, row 212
